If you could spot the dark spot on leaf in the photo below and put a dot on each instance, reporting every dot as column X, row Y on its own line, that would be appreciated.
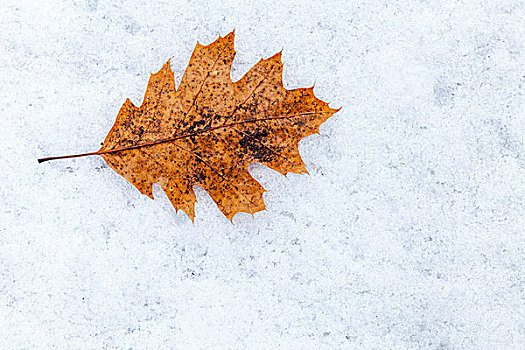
column 253, row 143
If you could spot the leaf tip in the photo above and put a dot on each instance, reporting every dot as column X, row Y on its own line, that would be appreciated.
column 189, row 211
column 230, row 36
column 276, row 58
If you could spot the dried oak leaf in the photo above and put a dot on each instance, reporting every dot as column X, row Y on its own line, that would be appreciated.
column 208, row 130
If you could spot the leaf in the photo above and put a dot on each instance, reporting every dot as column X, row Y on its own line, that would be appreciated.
column 210, row 129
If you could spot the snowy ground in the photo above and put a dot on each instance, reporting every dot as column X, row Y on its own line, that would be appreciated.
column 407, row 234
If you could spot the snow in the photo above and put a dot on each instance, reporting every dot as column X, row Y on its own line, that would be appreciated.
column 407, row 234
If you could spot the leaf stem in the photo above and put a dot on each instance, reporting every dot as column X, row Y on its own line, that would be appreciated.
column 41, row 160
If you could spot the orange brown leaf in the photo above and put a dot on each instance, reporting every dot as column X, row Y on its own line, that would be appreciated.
column 208, row 130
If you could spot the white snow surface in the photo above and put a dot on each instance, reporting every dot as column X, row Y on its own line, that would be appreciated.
column 407, row 234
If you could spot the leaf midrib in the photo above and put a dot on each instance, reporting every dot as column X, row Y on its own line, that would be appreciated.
column 177, row 137
column 182, row 136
